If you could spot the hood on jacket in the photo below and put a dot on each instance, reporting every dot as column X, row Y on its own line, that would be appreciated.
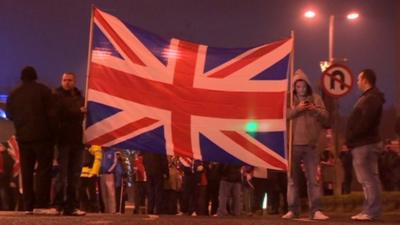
column 300, row 75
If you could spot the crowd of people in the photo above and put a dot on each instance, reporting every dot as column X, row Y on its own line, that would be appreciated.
column 60, row 176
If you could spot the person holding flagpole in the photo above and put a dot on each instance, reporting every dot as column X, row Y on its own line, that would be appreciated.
column 70, row 113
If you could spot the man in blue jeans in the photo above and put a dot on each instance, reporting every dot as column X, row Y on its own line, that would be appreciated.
column 362, row 137
column 308, row 115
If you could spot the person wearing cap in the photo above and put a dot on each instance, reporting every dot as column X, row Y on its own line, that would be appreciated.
column 31, row 107
column 308, row 114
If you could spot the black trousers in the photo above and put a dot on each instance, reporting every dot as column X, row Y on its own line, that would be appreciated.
column 42, row 152
column 260, row 188
column 189, row 195
column 140, row 194
column 277, row 189
column 170, row 202
column 347, row 162
column 67, row 181
column 87, row 194
column 154, row 193
column 212, row 195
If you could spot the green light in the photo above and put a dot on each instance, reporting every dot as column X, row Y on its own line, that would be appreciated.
column 251, row 126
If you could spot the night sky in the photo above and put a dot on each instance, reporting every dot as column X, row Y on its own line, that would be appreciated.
column 53, row 35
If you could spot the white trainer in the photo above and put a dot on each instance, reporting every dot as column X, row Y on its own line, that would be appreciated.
column 46, row 211
column 362, row 217
column 356, row 216
column 289, row 215
column 318, row 215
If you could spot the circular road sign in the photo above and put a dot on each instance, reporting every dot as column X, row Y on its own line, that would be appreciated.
column 337, row 80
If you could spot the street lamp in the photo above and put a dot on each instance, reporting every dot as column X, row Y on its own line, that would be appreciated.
column 310, row 14
column 353, row 16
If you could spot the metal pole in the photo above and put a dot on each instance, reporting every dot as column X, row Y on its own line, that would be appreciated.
column 337, row 187
column 290, row 101
column 331, row 37
column 336, row 107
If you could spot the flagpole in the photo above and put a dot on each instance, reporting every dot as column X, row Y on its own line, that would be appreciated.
column 290, row 127
column 89, row 58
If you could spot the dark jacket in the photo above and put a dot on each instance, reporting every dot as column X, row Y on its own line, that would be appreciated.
column 231, row 173
column 155, row 164
column 30, row 106
column 397, row 126
column 69, row 115
column 363, row 124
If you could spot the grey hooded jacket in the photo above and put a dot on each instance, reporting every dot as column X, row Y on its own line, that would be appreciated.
column 307, row 124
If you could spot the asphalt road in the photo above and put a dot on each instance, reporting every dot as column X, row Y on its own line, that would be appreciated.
column 18, row 218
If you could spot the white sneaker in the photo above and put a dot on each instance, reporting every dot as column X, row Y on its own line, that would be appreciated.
column 28, row 212
column 194, row 214
column 289, row 215
column 318, row 215
column 75, row 212
column 153, row 216
column 180, row 214
column 356, row 216
column 46, row 211
column 362, row 217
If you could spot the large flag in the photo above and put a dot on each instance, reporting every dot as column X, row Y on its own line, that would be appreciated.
column 181, row 98
column 13, row 150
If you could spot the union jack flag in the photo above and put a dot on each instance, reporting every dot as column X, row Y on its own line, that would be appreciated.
column 14, row 153
column 181, row 98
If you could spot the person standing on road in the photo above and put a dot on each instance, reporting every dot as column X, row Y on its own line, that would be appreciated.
column 363, row 139
column 70, row 113
column 308, row 115
column 31, row 107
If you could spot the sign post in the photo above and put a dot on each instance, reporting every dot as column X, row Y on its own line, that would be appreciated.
column 337, row 80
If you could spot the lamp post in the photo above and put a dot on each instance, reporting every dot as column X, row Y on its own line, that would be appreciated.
column 310, row 14
column 331, row 37
column 324, row 65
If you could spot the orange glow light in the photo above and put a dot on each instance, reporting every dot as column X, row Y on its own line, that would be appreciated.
column 309, row 14
column 352, row 16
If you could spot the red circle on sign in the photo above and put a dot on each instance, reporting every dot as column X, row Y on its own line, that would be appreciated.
column 327, row 73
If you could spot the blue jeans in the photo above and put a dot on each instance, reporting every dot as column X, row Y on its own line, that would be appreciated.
column 227, row 189
column 248, row 198
column 365, row 163
column 309, row 155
